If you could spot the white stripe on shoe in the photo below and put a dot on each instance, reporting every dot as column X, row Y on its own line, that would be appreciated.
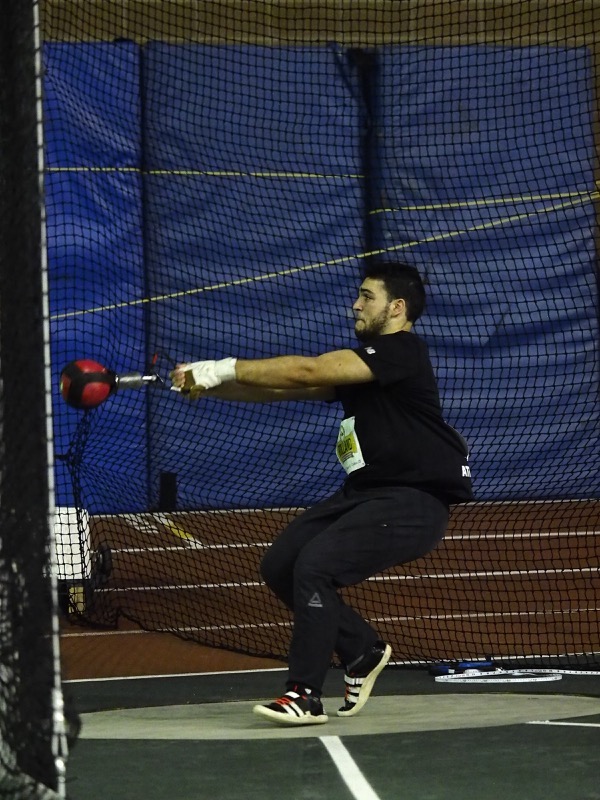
column 358, row 690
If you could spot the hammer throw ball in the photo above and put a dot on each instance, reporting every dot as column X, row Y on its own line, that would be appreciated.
column 86, row 383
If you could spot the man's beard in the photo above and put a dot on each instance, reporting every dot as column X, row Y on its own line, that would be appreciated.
column 374, row 328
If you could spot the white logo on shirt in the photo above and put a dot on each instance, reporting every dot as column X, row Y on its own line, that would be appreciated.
column 466, row 472
column 370, row 350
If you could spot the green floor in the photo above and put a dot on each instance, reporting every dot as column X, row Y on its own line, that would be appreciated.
column 518, row 762
column 510, row 762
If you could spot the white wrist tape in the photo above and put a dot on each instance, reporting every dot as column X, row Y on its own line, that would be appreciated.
column 212, row 373
column 225, row 369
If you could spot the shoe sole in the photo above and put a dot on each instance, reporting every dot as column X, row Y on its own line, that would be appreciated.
column 282, row 718
column 367, row 687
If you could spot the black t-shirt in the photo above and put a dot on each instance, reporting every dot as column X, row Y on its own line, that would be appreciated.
column 393, row 433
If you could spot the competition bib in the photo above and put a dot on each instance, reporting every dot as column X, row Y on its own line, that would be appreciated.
column 348, row 447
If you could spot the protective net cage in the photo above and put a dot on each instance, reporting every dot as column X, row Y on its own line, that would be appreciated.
column 217, row 176
column 33, row 744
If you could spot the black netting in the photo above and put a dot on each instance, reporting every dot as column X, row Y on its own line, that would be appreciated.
column 217, row 176
column 32, row 750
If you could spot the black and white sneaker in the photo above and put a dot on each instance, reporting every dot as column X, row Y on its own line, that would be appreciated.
column 293, row 709
column 361, row 676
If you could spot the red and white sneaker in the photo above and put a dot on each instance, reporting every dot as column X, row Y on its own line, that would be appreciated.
column 293, row 709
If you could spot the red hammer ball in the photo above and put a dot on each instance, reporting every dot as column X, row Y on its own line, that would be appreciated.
column 86, row 383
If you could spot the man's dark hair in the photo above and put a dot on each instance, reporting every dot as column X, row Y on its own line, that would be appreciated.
column 401, row 281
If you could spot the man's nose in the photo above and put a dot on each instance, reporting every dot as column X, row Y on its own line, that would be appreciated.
column 357, row 306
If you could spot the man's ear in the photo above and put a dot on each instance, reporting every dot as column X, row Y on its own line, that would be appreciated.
column 398, row 307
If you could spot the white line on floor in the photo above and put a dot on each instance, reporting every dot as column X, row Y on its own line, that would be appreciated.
column 572, row 724
column 351, row 775
column 175, row 675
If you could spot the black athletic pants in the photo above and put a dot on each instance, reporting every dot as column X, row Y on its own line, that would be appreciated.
column 339, row 542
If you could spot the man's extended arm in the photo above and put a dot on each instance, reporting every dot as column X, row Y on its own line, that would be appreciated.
column 290, row 372
column 270, row 379
column 238, row 392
